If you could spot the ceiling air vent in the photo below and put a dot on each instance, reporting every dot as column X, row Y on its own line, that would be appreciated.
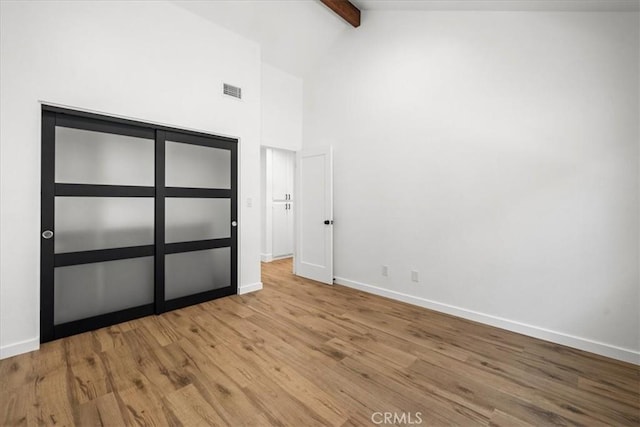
column 234, row 91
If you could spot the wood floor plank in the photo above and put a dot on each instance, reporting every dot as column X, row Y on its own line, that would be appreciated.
column 15, row 407
column 301, row 353
column 107, row 338
column 608, row 390
column 188, row 405
column 501, row 419
column 103, row 411
column 52, row 400
column 142, row 407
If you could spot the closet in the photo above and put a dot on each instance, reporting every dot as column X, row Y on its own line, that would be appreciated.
column 137, row 219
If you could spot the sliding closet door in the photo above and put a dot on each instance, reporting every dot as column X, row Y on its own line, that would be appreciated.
column 136, row 219
column 200, row 214
column 97, row 224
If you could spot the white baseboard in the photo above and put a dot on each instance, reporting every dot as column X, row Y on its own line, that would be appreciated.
column 245, row 289
column 603, row 349
column 270, row 257
column 19, row 348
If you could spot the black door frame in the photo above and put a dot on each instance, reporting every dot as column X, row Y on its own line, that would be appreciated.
column 56, row 116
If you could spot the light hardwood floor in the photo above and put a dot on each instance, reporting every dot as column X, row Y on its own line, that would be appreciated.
column 299, row 354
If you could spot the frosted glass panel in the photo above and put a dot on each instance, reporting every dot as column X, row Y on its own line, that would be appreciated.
column 190, row 165
column 197, row 219
column 86, row 157
column 189, row 273
column 88, row 290
column 87, row 223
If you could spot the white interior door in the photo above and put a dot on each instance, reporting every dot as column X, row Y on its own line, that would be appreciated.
column 314, row 215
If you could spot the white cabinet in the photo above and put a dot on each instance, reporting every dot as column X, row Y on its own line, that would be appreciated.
column 277, row 171
column 282, row 171
column 282, row 223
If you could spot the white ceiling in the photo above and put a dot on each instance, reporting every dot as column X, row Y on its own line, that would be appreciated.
column 294, row 34
column 548, row 5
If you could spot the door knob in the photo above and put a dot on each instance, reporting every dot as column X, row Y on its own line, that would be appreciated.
column 234, row 224
column 327, row 222
column 47, row 234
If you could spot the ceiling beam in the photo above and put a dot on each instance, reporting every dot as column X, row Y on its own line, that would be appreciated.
column 345, row 9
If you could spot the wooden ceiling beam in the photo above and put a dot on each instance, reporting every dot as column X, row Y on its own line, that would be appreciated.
column 345, row 9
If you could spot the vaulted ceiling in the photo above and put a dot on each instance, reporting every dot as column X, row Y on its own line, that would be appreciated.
column 548, row 5
column 292, row 34
column 295, row 34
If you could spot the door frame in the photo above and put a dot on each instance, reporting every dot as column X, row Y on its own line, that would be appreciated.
column 266, row 206
column 53, row 116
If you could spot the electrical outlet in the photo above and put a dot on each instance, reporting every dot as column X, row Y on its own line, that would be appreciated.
column 385, row 270
column 414, row 276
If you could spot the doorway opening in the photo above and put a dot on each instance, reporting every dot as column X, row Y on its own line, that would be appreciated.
column 277, row 172
column 297, row 210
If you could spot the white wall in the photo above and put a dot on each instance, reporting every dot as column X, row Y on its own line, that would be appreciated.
column 151, row 61
column 281, row 109
column 497, row 154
